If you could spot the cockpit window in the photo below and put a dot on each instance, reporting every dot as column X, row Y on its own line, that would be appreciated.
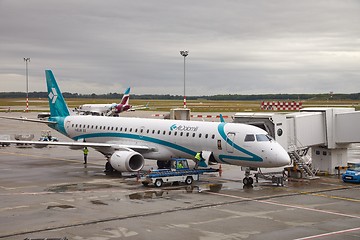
column 263, row 138
column 249, row 138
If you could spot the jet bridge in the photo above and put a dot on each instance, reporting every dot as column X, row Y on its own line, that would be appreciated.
column 326, row 132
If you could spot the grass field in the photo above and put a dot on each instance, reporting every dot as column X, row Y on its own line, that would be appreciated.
column 201, row 105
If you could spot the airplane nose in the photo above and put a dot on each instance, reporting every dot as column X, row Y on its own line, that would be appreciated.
column 283, row 157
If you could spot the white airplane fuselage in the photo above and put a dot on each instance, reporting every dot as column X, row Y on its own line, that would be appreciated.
column 175, row 138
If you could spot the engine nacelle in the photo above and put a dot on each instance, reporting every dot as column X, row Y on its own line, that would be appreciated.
column 127, row 161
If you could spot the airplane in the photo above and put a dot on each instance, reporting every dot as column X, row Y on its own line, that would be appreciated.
column 127, row 142
column 110, row 109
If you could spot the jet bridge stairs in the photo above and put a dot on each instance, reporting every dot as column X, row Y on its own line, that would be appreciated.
column 301, row 163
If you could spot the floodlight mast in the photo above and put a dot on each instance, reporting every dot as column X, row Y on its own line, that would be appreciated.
column 27, row 60
column 184, row 54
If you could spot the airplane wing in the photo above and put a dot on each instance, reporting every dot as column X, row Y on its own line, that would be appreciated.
column 29, row 120
column 139, row 107
column 79, row 145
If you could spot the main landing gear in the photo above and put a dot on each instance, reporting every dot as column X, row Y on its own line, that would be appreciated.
column 108, row 167
column 110, row 170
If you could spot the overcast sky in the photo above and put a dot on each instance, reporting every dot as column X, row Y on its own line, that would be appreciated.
column 235, row 46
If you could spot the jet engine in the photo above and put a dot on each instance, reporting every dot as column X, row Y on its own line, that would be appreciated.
column 127, row 161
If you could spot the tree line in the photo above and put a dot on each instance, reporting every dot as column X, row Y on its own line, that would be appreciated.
column 253, row 97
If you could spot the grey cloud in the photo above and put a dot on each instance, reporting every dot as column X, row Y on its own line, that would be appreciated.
column 242, row 47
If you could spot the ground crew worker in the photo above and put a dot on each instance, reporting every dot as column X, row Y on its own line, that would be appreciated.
column 86, row 151
column 199, row 160
column 179, row 165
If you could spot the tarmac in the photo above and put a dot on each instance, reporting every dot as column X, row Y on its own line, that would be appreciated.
column 50, row 193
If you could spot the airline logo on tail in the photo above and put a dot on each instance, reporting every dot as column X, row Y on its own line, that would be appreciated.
column 53, row 95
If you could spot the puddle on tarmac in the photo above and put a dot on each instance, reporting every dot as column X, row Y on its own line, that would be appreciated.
column 78, row 187
column 170, row 192
column 98, row 202
column 60, row 206
column 148, row 195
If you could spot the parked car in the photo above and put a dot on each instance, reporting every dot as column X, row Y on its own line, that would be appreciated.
column 352, row 174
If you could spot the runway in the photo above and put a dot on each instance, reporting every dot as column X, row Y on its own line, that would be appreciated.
column 50, row 193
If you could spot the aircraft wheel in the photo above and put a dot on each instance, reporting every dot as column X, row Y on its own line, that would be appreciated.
column 108, row 167
column 248, row 181
column 189, row 180
column 158, row 183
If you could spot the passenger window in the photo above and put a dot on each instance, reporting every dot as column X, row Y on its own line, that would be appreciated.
column 181, row 134
column 249, row 138
column 116, row 129
column 193, row 134
column 175, row 133
column 130, row 130
column 213, row 136
column 169, row 133
column 206, row 135
column 199, row 135
column 187, row 134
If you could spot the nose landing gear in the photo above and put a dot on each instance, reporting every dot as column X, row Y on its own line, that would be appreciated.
column 248, row 181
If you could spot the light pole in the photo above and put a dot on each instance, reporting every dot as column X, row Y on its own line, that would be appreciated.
column 184, row 54
column 27, row 60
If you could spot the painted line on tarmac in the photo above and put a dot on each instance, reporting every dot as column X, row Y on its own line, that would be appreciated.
column 329, row 234
column 12, row 208
column 50, row 158
column 333, row 197
column 286, row 205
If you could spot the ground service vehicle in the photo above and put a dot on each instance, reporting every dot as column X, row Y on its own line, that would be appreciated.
column 179, row 172
column 352, row 174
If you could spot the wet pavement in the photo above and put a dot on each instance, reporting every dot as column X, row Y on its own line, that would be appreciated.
column 50, row 193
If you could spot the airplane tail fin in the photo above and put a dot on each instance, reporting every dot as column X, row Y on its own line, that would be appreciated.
column 126, row 97
column 58, row 107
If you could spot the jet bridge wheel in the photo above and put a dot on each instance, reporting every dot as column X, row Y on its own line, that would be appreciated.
column 248, row 181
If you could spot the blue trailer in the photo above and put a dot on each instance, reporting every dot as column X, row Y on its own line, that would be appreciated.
column 179, row 171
